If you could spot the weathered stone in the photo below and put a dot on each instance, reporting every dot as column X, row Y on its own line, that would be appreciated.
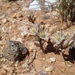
column 2, row 15
column 52, row 59
column 4, row 20
column 49, row 69
column 15, row 51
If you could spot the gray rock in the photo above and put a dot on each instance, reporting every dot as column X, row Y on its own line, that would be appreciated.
column 15, row 51
column 2, row 15
column 43, row 73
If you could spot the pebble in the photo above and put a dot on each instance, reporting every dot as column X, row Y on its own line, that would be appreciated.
column 12, row 20
column 3, row 29
column 43, row 73
column 4, row 20
column 2, row 15
column 49, row 69
column 69, row 65
column 52, row 59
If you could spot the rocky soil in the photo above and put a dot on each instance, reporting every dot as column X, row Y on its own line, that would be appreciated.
column 14, row 26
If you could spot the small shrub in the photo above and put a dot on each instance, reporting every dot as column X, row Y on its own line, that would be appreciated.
column 40, row 33
column 61, row 39
column 66, row 9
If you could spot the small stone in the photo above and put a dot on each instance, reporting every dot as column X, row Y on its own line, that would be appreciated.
column 53, row 59
column 2, row 15
column 16, row 64
column 43, row 73
column 3, row 29
column 50, row 68
column 69, row 65
column 4, row 21
column 12, row 20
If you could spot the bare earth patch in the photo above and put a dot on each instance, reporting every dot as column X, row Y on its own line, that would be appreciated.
column 13, row 15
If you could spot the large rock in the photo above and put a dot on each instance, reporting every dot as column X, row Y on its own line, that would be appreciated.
column 34, row 5
column 40, row 4
column 15, row 50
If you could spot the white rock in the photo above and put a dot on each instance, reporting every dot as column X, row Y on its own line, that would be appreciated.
column 12, row 20
column 52, row 59
column 49, row 69
column 69, row 65
column 4, row 20
column 51, row 1
column 34, row 5
column 2, row 15
column 3, row 29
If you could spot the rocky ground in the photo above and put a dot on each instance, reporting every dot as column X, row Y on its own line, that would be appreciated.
column 13, row 24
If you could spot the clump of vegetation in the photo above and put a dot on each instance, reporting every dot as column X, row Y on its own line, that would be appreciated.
column 61, row 40
column 66, row 9
column 41, row 34
column 39, row 31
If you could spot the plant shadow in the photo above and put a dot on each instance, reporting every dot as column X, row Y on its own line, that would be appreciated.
column 49, row 48
column 71, row 56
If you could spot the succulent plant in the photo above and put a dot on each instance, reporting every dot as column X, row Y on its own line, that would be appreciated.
column 40, row 32
column 61, row 39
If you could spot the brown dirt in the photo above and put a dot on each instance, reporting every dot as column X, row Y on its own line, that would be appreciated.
column 42, row 61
